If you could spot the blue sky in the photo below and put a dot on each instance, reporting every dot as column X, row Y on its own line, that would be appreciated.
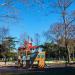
column 31, row 20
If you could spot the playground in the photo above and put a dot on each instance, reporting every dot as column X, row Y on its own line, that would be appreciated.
column 37, row 37
column 31, row 56
column 31, row 59
column 28, row 54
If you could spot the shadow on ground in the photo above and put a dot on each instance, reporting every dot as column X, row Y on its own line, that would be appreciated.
column 47, row 71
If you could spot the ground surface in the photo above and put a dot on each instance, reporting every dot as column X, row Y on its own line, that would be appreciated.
column 52, row 69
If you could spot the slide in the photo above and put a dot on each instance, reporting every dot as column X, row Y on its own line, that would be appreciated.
column 33, row 56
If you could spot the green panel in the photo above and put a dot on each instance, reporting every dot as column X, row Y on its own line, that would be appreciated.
column 38, row 56
column 41, row 56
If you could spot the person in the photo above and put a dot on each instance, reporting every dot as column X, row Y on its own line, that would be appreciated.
column 24, row 60
column 5, row 59
column 19, row 59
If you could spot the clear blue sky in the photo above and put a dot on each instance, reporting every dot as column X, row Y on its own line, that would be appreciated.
column 31, row 21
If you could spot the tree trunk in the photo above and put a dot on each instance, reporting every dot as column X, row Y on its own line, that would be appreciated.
column 59, row 55
column 69, row 58
column 73, row 55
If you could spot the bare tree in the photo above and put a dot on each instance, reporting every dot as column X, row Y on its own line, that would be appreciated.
column 67, row 31
column 4, row 32
column 25, row 38
column 8, row 9
column 37, row 39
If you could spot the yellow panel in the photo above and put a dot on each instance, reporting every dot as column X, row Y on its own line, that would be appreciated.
column 41, row 64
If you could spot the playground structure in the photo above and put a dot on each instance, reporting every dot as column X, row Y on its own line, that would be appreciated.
column 28, row 54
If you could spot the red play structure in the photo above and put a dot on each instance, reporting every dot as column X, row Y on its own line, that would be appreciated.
column 28, row 53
